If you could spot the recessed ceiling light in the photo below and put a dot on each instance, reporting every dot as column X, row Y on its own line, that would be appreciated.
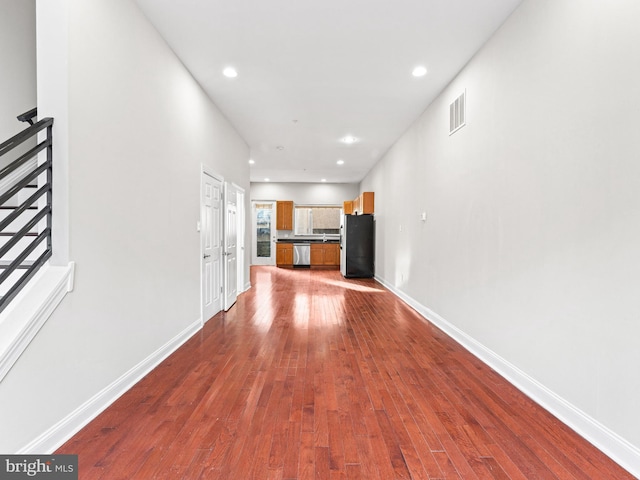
column 267, row 180
column 340, row 162
column 323, row 180
column 419, row 71
column 349, row 139
column 230, row 72
column 251, row 161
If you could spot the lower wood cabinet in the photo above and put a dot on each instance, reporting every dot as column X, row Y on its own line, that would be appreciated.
column 332, row 254
column 317, row 255
column 325, row 254
column 284, row 254
column 321, row 254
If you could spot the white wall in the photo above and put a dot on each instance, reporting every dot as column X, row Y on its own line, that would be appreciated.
column 305, row 193
column 138, row 128
column 18, row 60
column 531, row 241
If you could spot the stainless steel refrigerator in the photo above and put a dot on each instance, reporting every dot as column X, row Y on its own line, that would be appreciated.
column 357, row 246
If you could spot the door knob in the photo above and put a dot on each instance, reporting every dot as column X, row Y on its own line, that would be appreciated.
column 206, row 256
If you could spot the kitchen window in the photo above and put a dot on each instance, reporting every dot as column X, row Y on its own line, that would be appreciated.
column 317, row 220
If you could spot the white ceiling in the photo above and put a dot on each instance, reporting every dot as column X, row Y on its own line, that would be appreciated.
column 311, row 72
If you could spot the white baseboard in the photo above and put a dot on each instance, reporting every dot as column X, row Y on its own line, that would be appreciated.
column 614, row 446
column 57, row 435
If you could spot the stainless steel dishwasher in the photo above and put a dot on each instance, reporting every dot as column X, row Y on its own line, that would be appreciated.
column 301, row 255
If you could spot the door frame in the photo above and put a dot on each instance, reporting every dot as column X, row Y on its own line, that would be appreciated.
column 230, row 283
column 219, row 178
column 254, row 229
column 242, row 239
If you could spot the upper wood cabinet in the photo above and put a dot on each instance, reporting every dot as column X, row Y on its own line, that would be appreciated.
column 348, row 207
column 366, row 203
column 284, row 215
column 363, row 204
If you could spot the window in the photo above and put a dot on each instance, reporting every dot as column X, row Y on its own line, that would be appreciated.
column 264, row 212
column 310, row 220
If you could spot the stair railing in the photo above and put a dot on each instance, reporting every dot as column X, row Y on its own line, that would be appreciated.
column 25, row 225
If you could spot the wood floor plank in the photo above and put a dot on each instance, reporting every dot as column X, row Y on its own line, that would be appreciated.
column 336, row 444
column 292, row 453
column 313, row 376
column 306, row 469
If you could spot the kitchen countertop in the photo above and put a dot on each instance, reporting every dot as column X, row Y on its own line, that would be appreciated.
column 307, row 240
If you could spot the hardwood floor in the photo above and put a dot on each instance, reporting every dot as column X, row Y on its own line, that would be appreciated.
column 309, row 376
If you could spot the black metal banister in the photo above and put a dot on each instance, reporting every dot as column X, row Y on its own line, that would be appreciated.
column 23, row 256
column 23, row 183
column 24, row 135
column 22, row 229
column 22, row 159
column 25, row 205
column 28, row 116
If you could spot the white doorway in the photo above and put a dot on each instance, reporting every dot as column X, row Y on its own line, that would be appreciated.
column 211, row 244
column 263, row 251
column 241, row 238
column 230, row 246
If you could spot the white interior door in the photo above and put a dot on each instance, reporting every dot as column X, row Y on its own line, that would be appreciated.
column 263, row 251
column 230, row 247
column 241, row 239
column 211, row 245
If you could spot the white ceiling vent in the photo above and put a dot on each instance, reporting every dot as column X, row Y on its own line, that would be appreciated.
column 457, row 113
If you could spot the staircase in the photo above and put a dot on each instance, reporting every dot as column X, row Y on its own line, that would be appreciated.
column 25, row 205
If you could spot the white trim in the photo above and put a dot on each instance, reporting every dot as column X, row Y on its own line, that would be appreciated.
column 212, row 173
column 230, row 200
column 614, row 446
column 254, row 241
column 29, row 310
column 62, row 431
column 205, row 170
column 242, row 236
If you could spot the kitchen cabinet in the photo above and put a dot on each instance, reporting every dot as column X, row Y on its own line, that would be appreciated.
column 332, row 254
column 325, row 254
column 284, row 215
column 366, row 203
column 363, row 204
column 284, row 254
column 317, row 254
